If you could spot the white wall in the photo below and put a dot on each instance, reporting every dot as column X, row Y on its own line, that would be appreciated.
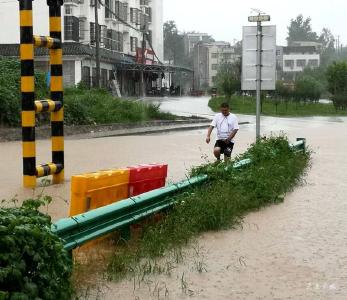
column 9, row 16
column 297, row 57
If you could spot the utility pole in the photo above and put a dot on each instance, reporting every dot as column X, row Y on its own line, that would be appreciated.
column 97, row 44
column 143, row 61
column 259, row 52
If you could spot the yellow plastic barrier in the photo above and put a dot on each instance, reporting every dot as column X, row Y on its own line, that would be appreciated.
column 93, row 190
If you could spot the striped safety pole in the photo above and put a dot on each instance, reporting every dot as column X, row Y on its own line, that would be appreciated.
column 28, row 93
column 56, row 62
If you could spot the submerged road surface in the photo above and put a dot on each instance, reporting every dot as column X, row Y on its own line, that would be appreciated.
column 295, row 250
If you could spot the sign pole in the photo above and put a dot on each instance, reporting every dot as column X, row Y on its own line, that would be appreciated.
column 259, row 65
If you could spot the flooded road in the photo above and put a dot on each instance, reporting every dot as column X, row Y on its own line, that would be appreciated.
column 295, row 250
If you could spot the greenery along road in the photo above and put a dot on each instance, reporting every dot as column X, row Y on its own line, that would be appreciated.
column 275, row 107
column 82, row 106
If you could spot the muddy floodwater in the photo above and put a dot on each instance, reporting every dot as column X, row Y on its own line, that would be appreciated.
column 295, row 250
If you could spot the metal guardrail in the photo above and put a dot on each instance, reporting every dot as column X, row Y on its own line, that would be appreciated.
column 77, row 230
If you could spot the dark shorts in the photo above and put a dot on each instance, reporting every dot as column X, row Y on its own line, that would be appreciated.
column 225, row 148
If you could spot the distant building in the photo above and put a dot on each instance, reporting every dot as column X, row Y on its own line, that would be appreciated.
column 121, row 24
column 193, row 38
column 207, row 59
column 297, row 58
column 317, row 45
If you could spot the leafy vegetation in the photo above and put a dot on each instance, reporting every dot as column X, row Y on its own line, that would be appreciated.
column 33, row 262
column 10, row 91
column 228, row 79
column 337, row 83
column 218, row 204
column 82, row 106
column 100, row 107
column 277, row 107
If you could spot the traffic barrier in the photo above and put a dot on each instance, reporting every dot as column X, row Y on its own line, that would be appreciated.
column 54, row 105
column 94, row 190
column 78, row 230
column 145, row 178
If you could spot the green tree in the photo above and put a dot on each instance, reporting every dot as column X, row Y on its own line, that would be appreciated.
column 228, row 79
column 300, row 29
column 307, row 88
column 173, row 44
column 337, row 83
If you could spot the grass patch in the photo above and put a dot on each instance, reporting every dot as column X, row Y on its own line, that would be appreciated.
column 247, row 105
column 219, row 204
column 84, row 107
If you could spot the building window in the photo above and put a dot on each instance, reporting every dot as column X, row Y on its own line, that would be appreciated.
column 313, row 62
column 71, row 28
column 133, row 15
column 214, row 67
column 150, row 37
column 107, row 9
column 82, row 29
column 103, row 77
column 114, row 40
column 133, row 44
column 301, row 63
column 86, row 76
column 227, row 55
column 92, row 32
column 68, row 10
column 92, row 3
column 289, row 63
column 214, row 79
column 214, row 55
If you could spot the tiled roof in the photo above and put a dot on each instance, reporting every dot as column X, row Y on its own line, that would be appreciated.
column 71, row 49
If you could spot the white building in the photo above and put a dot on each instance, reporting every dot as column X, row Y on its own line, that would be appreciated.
column 296, row 59
column 208, row 57
column 121, row 26
column 191, row 39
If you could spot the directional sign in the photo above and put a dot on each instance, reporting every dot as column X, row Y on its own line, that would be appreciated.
column 249, row 58
column 259, row 18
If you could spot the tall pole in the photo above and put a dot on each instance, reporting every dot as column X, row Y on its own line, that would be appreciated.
column 259, row 52
column 143, row 61
column 97, row 44
column 198, row 67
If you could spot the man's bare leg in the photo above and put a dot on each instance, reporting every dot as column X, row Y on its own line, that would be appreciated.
column 216, row 152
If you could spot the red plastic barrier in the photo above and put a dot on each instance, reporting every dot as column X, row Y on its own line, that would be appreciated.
column 145, row 178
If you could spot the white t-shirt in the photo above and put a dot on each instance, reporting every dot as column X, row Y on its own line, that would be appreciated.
column 225, row 125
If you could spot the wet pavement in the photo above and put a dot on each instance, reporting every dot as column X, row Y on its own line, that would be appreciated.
column 295, row 250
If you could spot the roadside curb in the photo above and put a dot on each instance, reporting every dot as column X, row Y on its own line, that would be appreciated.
column 144, row 131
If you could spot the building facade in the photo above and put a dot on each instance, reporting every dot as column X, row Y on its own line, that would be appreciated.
column 121, row 27
column 297, row 58
column 208, row 57
column 191, row 39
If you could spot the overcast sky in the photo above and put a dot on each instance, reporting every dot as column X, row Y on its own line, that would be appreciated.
column 223, row 19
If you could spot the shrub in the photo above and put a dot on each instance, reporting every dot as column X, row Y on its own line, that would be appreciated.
column 33, row 262
column 10, row 91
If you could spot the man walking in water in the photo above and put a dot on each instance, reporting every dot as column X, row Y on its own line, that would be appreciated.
column 227, row 127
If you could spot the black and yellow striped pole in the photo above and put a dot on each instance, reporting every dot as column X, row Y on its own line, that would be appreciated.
column 54, row 105
column 56, row 62
column 28, row 93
